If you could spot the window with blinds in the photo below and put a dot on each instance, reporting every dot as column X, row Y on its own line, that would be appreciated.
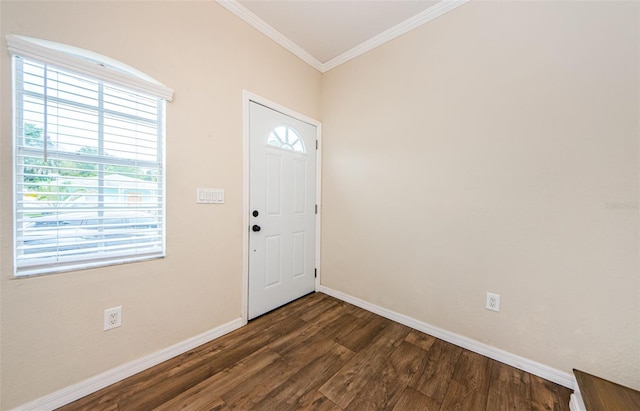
column 89, row 167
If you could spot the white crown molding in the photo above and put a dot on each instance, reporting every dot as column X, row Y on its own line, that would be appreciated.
column 532, row 367
column 100, row 381
column 411, row 23
column 268, row 30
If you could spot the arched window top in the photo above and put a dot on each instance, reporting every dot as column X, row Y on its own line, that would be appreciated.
column 86, row 62
column 286, row 138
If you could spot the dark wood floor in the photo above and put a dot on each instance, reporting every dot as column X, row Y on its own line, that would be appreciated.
column 599, row 394
column 319, row 353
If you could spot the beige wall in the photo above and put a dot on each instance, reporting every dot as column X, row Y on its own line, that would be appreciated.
column 495, row 149
column 52, row 326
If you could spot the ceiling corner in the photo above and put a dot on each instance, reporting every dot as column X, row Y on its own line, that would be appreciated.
column 269, row 31
column 417, row 20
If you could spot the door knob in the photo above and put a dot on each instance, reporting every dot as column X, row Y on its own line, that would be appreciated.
column 256, row 228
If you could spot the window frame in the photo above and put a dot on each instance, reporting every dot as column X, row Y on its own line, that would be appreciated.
column 275, row 140
column 102, row 70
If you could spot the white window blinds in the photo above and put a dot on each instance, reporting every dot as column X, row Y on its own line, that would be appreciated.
column 89, row 185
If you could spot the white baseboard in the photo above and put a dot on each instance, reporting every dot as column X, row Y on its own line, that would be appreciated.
column 93, row 384
column 576, row 403
column 532, row 367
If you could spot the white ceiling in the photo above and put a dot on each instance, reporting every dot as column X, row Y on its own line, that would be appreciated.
column 326, row 33
column 328, row 28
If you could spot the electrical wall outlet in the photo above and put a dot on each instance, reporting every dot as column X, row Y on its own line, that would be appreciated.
column 493, row 302
column 112, row 318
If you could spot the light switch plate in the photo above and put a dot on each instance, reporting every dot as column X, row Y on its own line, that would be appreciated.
column 209, row 196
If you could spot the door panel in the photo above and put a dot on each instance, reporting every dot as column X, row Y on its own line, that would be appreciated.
column 299, row 186
column 282, row 186
column 273, row 177
column 298, row 254
column 273, row 254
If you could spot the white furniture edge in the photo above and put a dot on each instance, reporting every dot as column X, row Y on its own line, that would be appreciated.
column 532, row 367
column 411, row 23
column 93, row 384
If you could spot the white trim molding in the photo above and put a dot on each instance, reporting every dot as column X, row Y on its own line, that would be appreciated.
column 576, row 403
column 532, row 367
column 433, row 12
column 100, row 381
column 268, row 30
column 398, row 30
column 86, row 62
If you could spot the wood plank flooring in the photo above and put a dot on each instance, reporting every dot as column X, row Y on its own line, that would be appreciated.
column 599, row 394
column 319, row 353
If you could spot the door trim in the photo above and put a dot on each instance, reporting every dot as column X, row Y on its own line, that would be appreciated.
column 248, row 97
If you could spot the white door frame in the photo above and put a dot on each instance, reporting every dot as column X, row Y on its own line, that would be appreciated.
column 247, row 97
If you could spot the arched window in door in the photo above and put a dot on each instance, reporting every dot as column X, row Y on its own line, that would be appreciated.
column 286, row 138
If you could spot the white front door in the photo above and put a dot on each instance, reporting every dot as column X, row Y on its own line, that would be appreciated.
column 282, row 199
